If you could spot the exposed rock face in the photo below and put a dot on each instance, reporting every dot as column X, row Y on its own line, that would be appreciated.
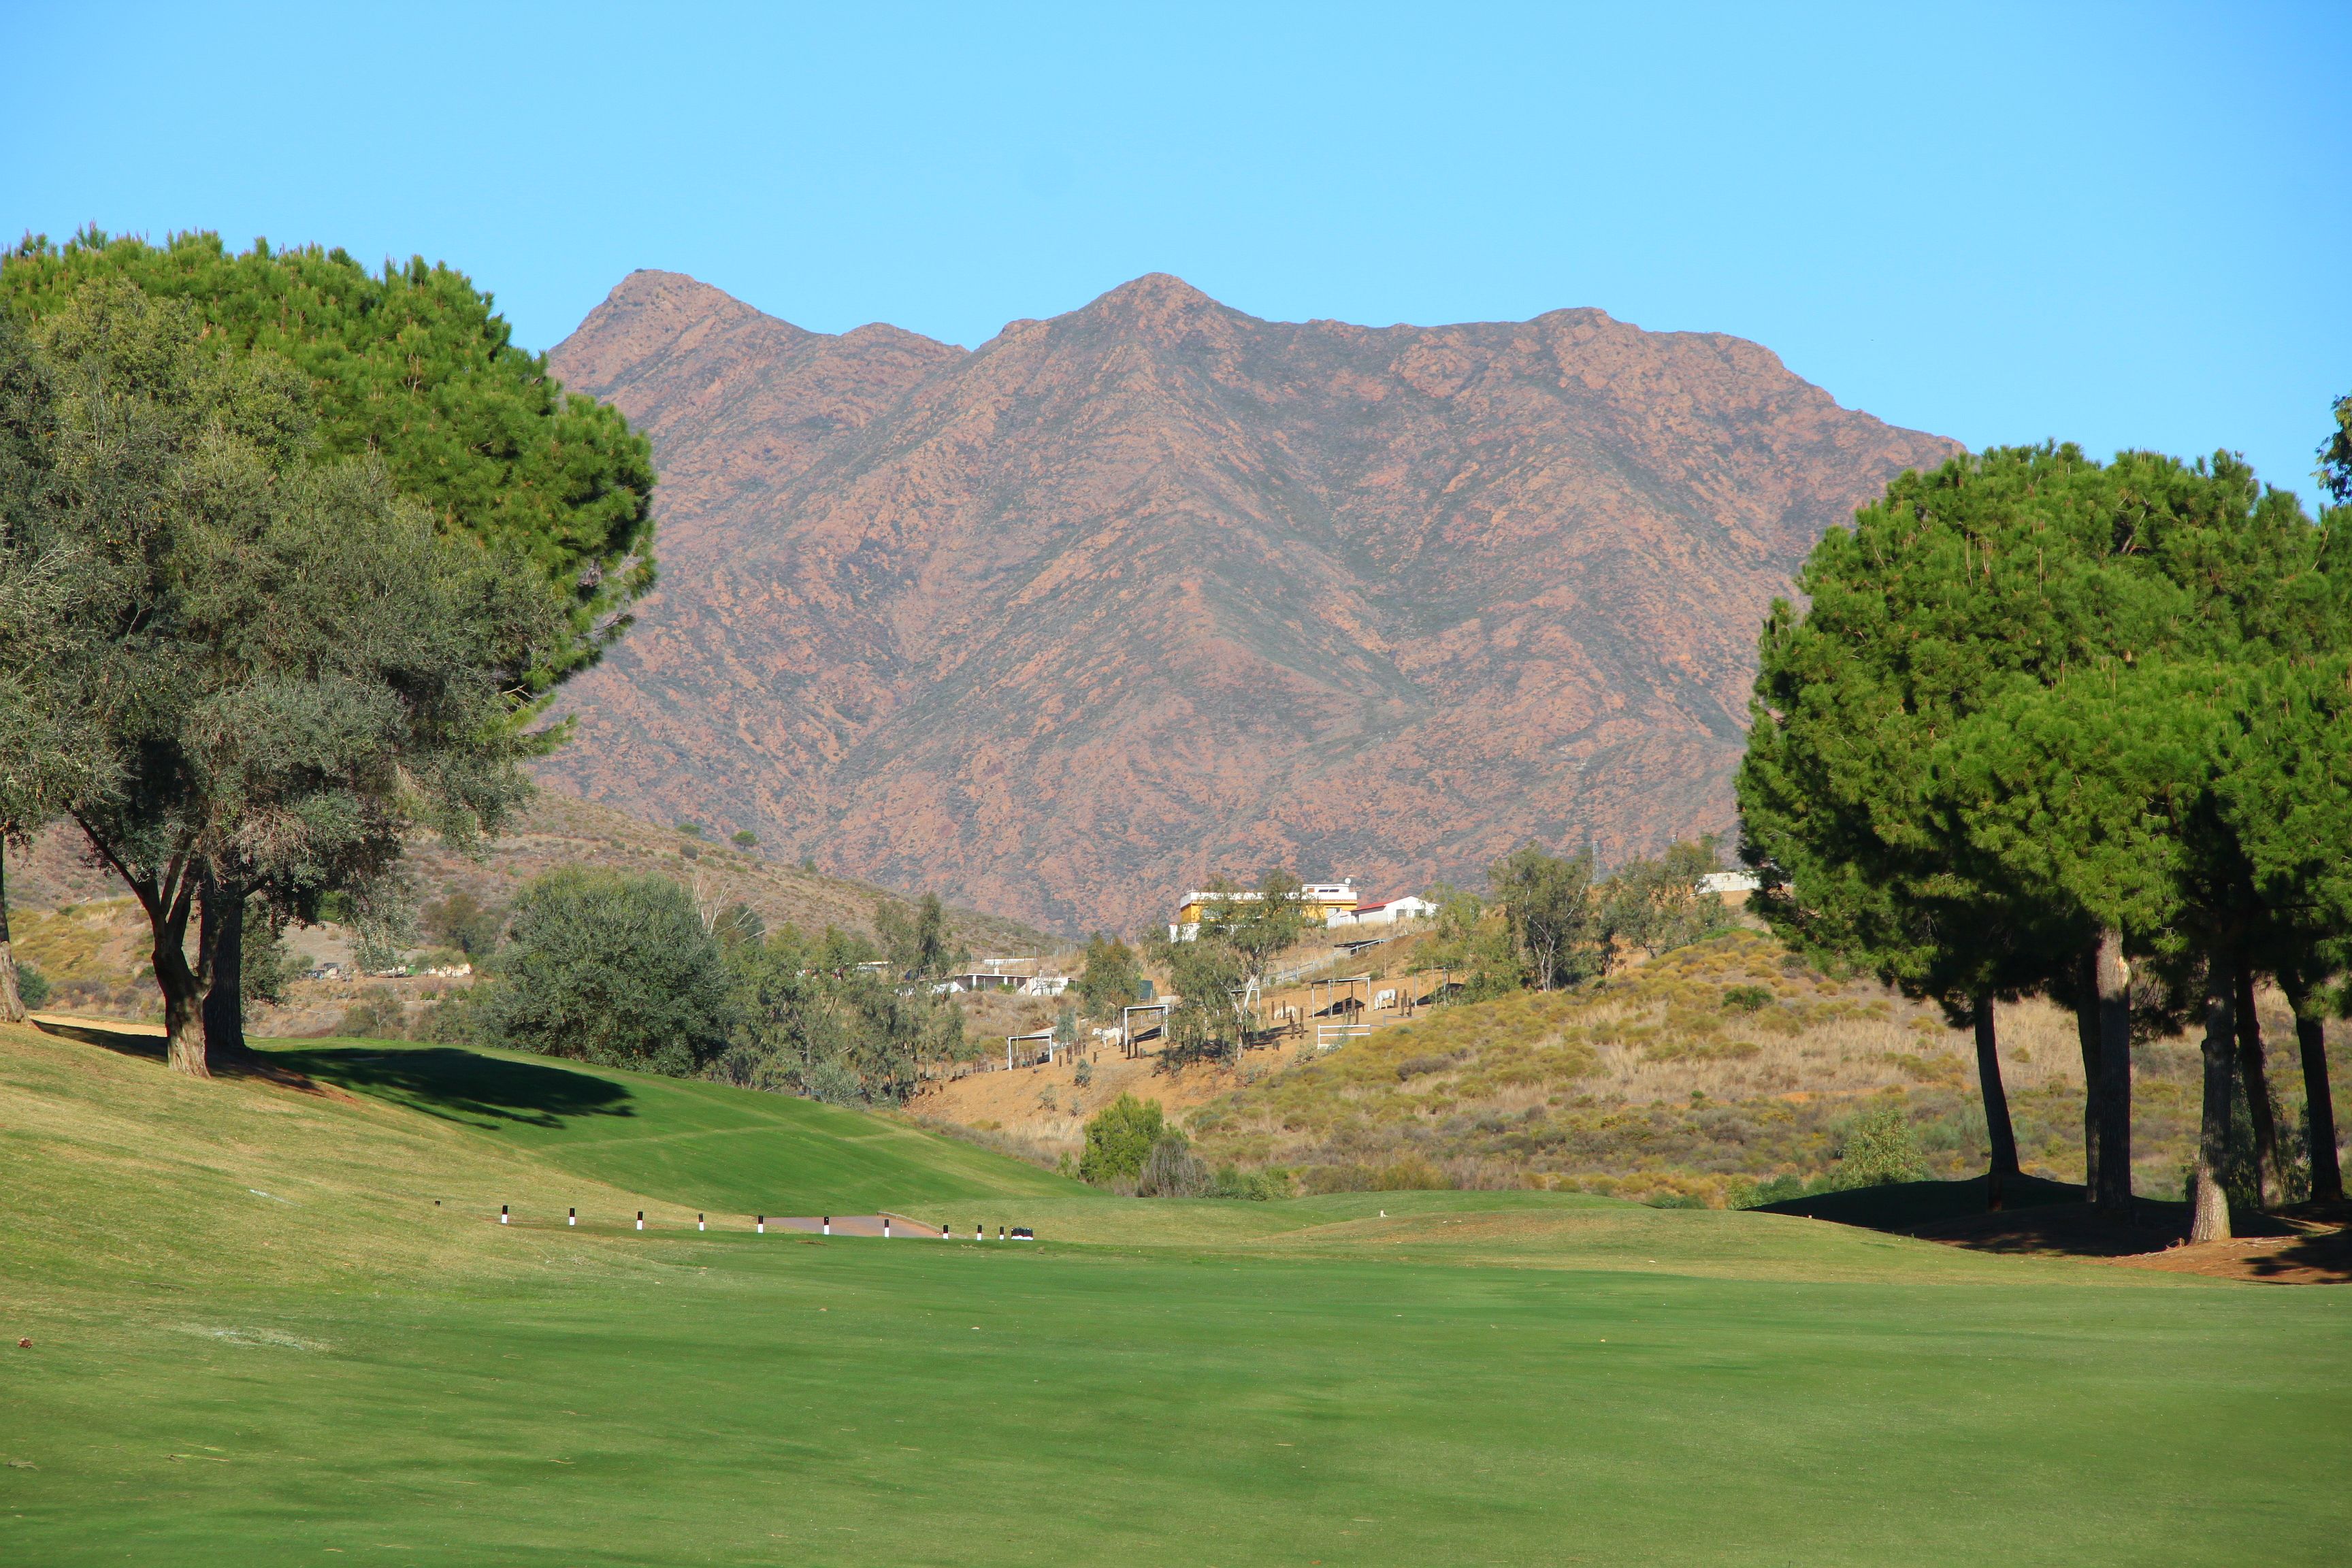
column 1156, row 588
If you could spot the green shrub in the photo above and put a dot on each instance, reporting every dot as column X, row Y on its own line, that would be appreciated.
column 1777, row 1189
column 1879, row 1150
column 377, row 1018
column 1748, row 998
column 1120, row 1137
column 1253, row 1186
column 32, row 987
column 609, row 969
column 745, row 838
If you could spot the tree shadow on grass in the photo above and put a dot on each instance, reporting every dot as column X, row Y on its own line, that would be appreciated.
column 2051, row 1219
column 146, row 1042
column 460, row 1085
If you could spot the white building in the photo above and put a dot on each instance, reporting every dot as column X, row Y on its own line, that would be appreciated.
column 1731, row 887
column 1387, row 912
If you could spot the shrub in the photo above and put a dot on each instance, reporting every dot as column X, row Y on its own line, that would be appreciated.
column 32, row 987
column 466, row 923
column 377, row 1018
column 745, row 838
column 1254, row 1186
column 1879, row 1150
column 610, row 969
column 1748, row 998
column 1120, row 1138
column 1777, row 1189
column 1171, row 1170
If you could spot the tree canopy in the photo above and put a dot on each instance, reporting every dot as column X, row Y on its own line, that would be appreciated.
column 413, row 366
column 259, row 673
column 611, row 969
column 1994, row 754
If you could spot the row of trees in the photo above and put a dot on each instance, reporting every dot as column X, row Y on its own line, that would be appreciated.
column 2053, row 726
column 1553, row 924
column 290, row 556
column 632, row 971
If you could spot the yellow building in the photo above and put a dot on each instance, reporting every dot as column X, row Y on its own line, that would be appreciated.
column 1324, row 901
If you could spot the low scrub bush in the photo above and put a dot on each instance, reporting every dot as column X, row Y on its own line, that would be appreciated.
column 1879, row 1150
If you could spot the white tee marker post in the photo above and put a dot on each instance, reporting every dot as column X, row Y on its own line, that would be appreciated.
column 571, row 1216
column 886, row 1227
column 641, row 1219
column 764, row 1224
column 699, row 1225
column 828, row 1225
column 502, row 1214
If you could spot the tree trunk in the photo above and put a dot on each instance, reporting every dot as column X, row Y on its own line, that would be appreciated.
column 12, row 1001
column 2086, row 1036
column 2115, row 1194
column 2319, row 1102
column 2269, row 1179
column 2209, row 1217
column 183, row 986
column 221, row 939
column 1999, row 1133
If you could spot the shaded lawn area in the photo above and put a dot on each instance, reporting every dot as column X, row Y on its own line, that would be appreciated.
column 706, row 1145
column 872, row 1403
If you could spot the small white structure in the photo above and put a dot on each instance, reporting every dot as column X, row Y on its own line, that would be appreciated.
column 1045, row 985
column 1387, row 912
column 1731, row 887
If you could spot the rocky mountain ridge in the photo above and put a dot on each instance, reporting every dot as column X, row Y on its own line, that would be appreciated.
column 1155, row 588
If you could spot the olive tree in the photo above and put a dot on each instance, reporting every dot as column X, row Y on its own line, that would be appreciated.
column 269, row 671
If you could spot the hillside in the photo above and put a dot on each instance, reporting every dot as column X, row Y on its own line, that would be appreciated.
column 1658, row 1084
column 89, row 938
column 1155, row 588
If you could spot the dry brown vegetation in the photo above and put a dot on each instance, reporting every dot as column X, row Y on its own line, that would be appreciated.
column 1692, row 1077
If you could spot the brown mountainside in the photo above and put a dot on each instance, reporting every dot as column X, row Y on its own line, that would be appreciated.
column 1156, row 588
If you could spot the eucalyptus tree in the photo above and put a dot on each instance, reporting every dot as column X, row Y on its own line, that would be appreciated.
column 1548, row 907
column 1253, row 925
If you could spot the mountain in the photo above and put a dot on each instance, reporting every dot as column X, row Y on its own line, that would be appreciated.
column 1155, row 588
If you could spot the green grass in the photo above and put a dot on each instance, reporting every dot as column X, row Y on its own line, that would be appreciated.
column 1477, row 1378
column 700, row 1145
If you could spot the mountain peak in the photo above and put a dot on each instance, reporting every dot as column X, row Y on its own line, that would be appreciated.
column 1155, row 300
column 1063, row 627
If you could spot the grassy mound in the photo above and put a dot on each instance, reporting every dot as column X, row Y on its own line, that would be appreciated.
column 698, row 1145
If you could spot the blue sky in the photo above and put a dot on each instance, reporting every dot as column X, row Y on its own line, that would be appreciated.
column 2120, row 225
